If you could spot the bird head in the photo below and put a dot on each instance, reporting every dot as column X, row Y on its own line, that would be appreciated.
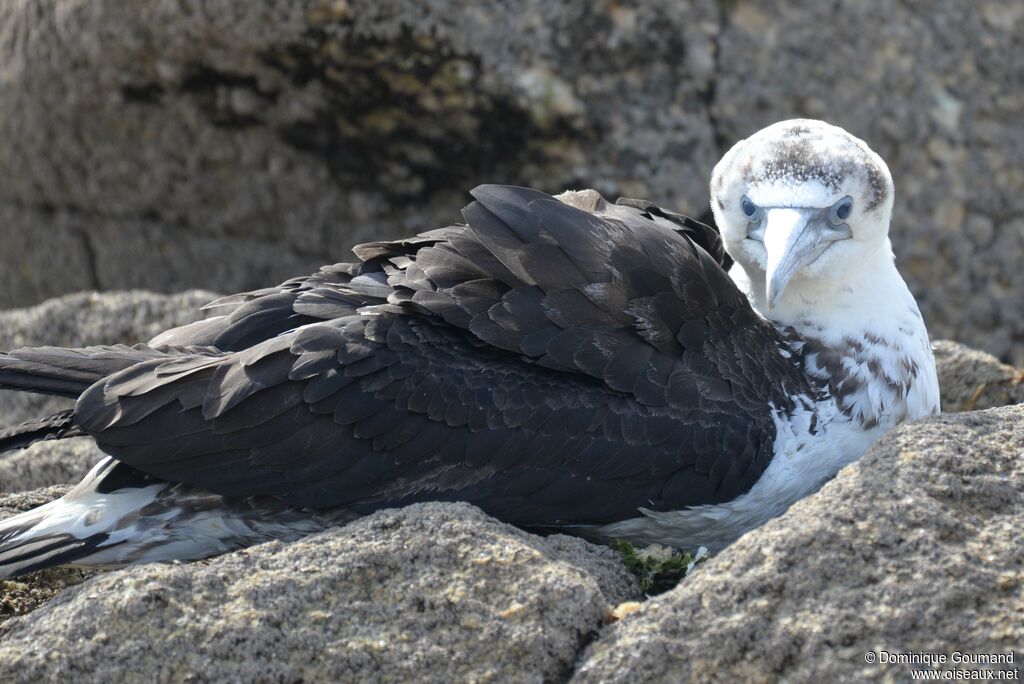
column 801, row 201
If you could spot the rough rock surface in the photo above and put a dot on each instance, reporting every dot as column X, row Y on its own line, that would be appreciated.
column 12, row 504
column 432, row 592
column 86, row 318
column 914, row 548
column 48, row 463
column 25, row 594
column 145, row 143
column 971, row 379
column 148, row 142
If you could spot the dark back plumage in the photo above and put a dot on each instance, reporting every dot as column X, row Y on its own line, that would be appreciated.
column 552, row 365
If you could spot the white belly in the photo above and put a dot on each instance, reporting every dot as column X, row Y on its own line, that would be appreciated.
column 803, row 462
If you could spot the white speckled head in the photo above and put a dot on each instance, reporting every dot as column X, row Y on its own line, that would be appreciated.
column 818, row 170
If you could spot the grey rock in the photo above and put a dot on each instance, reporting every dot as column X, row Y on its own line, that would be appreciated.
column 17, row 407
column 431, row 592
column 970, row 379
column 86, row 318
column 936, row 88
column 600, row 562
column 146, row 143
column 916, row 547
column 63, row 462
column 12, row 504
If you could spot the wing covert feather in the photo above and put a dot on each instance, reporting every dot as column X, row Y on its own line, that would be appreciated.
column 549, row 364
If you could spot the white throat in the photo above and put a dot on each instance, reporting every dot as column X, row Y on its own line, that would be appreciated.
column 847, row 302
column 863, row 334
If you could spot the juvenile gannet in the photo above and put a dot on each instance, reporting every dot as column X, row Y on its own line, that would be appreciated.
column 562, row 363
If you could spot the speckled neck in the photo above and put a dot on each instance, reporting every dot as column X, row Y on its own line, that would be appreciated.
column 863, row 339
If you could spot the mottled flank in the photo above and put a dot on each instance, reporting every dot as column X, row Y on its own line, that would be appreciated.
column 118, row 515
column 869, row 378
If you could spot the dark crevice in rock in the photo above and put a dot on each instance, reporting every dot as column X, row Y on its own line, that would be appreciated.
column 90, row 259
column 143, row 93
column 230, row 100
column 78, row 211
column 205, row 78
column 23, row 595
column 410, row 116
column 710, row 93
column 583, row 643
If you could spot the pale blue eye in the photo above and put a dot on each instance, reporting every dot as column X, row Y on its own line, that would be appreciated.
column 841, row 210
column 749, row 208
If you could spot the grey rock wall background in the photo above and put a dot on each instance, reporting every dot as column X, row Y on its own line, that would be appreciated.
column 224, row 145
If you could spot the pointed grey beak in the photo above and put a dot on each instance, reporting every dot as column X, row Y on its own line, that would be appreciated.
column 794, row 237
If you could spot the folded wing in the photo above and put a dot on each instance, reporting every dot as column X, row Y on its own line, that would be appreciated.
column 550, row 364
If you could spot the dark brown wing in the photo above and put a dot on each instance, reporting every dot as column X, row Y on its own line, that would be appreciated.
column 547, row 364
column 252, row 317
